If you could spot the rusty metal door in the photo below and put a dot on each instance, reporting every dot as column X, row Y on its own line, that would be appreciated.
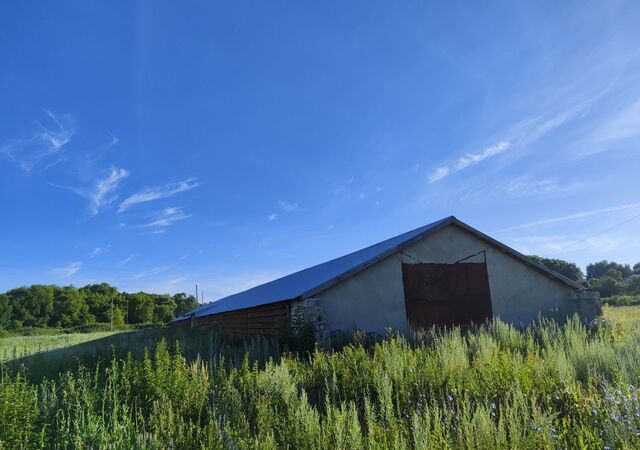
column 446, row 294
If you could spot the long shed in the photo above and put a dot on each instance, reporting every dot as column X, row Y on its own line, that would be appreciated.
column 445, row 273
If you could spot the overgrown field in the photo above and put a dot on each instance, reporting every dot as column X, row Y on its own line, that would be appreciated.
column 20, row 346
column 548, row 386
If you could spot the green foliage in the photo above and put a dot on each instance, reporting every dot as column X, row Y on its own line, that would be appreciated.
column 5, row 312
column 547, row 386
column 69, row 308
column 615, row 282
column 566, row 268
column 608, row 285
column 140, row 307
column 602, row 268
column 184, row 303
column 40, row 306
column 623, row 300
column 164, row 308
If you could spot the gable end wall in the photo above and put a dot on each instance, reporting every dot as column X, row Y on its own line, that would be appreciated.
column 373, row 299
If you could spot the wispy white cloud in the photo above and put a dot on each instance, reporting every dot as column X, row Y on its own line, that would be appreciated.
column 114, row 141
column 127, row 259
column 271, row 217
column 100, row 193
column 562, row 244
column 68, row 270
column 474, row 158
column 176, row 280
column 158, row 231
column 43, row 146
column 155, row 193
column 579, row 215
column 519, row 136
column 438, row 174
column 168, row 216
column 98, row 251
column 287, row 207
column 467, row 160
column 527, row 186
column 620, row 126
column 149, row 272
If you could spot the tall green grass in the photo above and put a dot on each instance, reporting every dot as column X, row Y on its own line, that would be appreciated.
column 548, row 386
column 15, row 347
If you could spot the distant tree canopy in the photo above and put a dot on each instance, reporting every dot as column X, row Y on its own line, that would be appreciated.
column 608, row 277
column 566, row 268
column 613, row 269
column 63, row 307
column 613, row 279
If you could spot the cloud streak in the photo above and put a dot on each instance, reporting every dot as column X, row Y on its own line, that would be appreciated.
column 168, row 217
column 101, row 193
column 158, row 192
column 147, row 273
column 439, row 174
column 127, row 259
column 45, row 145
column 98, row 251
column 467, row 160
column 288, row 207
column 68, row 270
column 618, row 127
column 579, row 215
column 520, row 135
column 474, row 158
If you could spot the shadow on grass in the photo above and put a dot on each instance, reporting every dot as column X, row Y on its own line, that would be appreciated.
column 206, row 344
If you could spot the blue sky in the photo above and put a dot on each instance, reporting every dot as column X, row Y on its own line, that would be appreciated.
column 155, row 145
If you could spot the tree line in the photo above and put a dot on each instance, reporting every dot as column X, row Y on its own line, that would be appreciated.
column 610, row 278
column 40, row 306
column 67, row 306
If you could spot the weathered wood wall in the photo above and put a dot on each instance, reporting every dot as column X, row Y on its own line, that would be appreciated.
column 265, row 320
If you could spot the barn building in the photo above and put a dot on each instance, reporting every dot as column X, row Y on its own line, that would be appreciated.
column 444, row 273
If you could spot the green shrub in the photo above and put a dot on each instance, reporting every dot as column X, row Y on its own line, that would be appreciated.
column 622, row 300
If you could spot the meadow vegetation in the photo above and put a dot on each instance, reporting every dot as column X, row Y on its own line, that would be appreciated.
column 547, row 386
column 15, row 347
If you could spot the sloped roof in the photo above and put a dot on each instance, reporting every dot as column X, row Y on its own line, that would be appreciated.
column 307, row 282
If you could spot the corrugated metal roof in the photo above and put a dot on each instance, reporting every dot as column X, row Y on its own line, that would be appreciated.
column 309, row 281
column 305, row 282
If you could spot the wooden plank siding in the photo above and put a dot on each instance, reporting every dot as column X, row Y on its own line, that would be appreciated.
column 264, row 320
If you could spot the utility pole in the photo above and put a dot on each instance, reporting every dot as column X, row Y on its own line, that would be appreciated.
column 112, row 313
column 202, row 294
column 196, row 293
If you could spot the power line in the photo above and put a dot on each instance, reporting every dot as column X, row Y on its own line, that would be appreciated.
column 610, row 228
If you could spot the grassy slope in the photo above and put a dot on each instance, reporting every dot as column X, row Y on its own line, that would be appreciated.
column 21, row 346
column 627, row 318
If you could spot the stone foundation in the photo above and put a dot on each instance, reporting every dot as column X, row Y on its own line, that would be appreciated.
column 587, row 304
column 311, row 310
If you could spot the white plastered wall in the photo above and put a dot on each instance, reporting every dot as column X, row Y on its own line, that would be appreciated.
column 373, row 299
